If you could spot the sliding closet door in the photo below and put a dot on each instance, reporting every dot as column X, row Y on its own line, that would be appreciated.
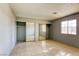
column 42, row 31
column 30, row 31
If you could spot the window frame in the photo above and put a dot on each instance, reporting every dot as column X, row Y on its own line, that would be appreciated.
column 68, row 25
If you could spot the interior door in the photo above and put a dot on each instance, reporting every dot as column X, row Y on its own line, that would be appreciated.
column 30, row 31
column 42, row 31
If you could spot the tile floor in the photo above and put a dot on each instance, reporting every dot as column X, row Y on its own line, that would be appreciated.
column 44, row 48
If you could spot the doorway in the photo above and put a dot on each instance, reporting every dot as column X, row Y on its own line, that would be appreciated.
column 42, row 31
column 21, row 31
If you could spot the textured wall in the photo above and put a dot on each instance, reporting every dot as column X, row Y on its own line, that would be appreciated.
column 55, row 31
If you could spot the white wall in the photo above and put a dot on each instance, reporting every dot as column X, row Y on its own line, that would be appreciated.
column 7, row 29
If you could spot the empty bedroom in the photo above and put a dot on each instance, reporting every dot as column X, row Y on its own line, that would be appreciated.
column 39, row 29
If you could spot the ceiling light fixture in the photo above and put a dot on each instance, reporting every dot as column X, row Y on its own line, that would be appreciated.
column 54, row 13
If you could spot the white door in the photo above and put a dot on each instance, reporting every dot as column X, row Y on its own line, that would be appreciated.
column 30, row 31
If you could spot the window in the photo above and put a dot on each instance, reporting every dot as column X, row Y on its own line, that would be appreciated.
column 68, row 27
column 72, row 27
column 64, row 27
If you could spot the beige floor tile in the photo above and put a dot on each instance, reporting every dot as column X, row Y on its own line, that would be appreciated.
column 44, row 48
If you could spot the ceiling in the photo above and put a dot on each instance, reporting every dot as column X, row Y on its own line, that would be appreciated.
column 44, row 11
